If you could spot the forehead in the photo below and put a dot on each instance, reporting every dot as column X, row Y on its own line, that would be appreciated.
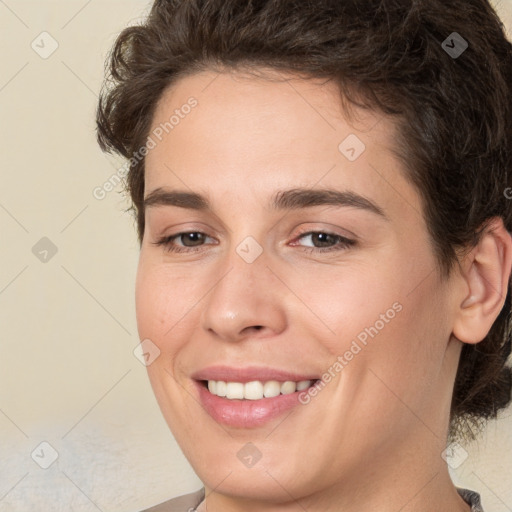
column 260, row 134
column 273, row 112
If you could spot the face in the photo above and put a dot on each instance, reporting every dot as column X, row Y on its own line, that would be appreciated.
column 336, row 288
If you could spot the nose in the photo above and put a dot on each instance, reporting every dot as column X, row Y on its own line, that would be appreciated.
column 247, row 300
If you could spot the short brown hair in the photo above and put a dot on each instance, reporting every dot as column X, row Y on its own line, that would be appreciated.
column 453, row 114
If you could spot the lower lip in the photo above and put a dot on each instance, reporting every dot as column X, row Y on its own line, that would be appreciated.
column 246, row 413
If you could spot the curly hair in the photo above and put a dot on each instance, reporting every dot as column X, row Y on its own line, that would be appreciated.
column 453, row 115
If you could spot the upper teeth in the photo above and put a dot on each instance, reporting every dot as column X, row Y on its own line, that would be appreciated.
column 255, row 390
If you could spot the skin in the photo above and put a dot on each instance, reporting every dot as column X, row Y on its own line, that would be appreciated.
column 372, row 438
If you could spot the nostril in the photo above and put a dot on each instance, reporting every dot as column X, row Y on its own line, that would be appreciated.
column 253, row 327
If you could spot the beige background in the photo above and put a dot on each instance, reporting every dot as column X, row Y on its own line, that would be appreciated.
column 68, row 375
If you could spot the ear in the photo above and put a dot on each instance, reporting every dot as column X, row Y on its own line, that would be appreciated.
column 485, row 274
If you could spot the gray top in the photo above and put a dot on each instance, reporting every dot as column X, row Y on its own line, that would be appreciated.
column 190, row 502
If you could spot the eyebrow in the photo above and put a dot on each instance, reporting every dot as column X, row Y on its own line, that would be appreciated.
column 291, row 199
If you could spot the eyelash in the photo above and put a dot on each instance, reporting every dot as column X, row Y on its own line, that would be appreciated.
column 343, row 243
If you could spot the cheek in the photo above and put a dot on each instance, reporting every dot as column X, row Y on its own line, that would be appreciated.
column 389, row 331
column 164, row 304
column 347, row 304
column 398, row 367
column 164, row 309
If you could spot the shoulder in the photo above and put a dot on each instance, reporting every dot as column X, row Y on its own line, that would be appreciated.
column 471, row 498
column 185, row 503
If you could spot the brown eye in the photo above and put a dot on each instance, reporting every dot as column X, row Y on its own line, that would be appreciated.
column 326, row 241
column 195, row 237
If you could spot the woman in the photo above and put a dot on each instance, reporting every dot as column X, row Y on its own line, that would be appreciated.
column 322, row 193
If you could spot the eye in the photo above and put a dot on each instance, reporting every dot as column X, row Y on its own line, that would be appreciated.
column 196, row 238
column 322, row 238
column 168, row 241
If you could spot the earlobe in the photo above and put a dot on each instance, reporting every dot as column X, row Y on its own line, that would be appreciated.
column 485, row 273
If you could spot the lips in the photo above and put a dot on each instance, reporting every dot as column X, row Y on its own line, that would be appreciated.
column 243, row 413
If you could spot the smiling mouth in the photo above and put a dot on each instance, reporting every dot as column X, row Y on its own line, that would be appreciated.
column 255, row 390
column 252, row 403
